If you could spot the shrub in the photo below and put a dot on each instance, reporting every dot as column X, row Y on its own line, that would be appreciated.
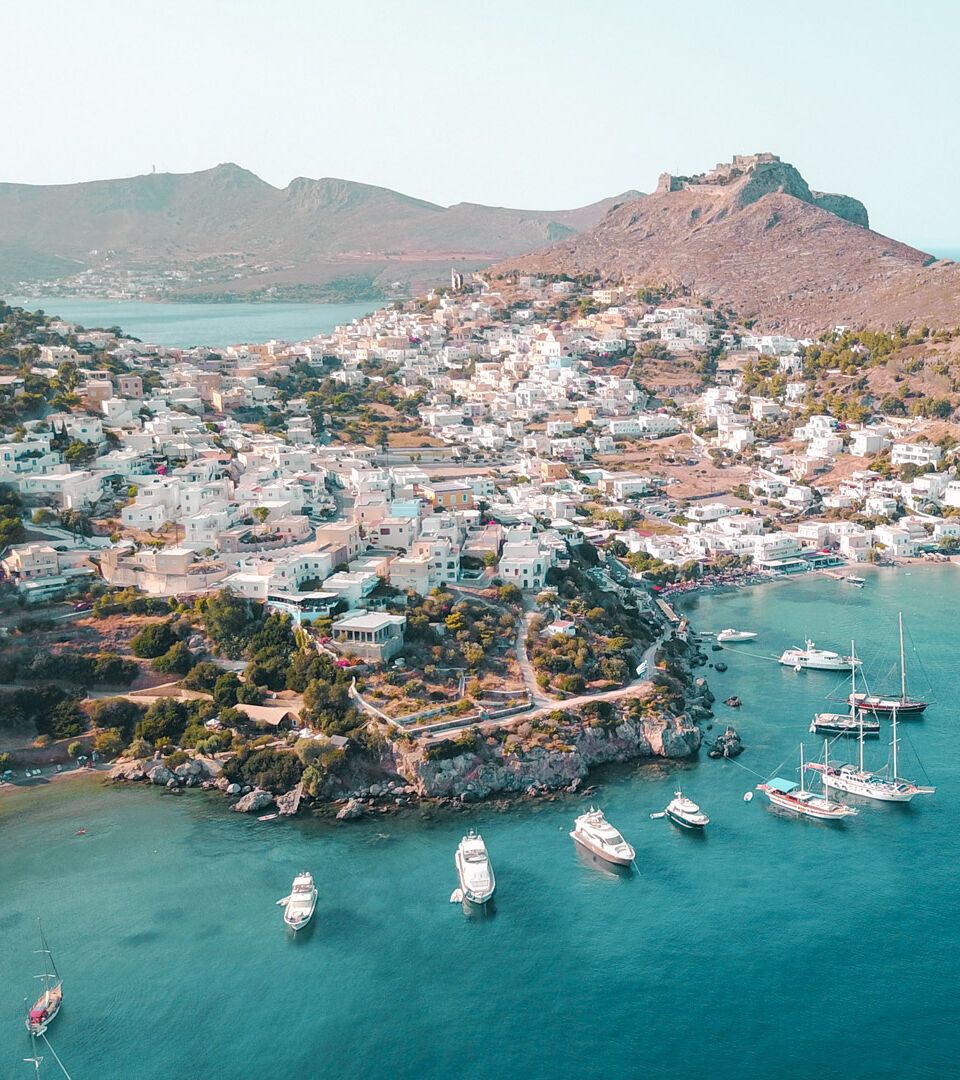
column 225, row 689
column 117, row 714
column 177, row 660
column 153, row 640
column 166, row 719
column 202, row 676
column 109, row 743
column 67, row 720
column 140, row 748
column 114, row 670
column 178, row 757
column 275, row 770
column 76, row 748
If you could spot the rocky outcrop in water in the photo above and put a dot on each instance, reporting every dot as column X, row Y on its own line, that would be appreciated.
column 253, row 801
column 289, row 804
column 727, row 745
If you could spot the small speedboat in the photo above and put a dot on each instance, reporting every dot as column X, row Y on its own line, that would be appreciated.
column 730, row 635
column 685, row 812
column 593, row 832
column 477, row 883
column 298, row 906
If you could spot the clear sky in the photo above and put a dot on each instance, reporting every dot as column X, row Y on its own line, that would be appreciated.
column 529, row 103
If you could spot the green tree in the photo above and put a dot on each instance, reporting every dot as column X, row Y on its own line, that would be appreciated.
column 116, row 714
column 225, row 689
column 177, row 660
column 153, row 640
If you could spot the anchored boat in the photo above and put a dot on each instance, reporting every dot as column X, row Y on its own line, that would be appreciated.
column 477, row 883
column 884, row 786
column 902, row 704
column 593, row 832
column 299, row 905
column 787, row 795
column 852, row 723
column 817, row 659
column 685, row 812
column 730, row 635
column 47, row 1005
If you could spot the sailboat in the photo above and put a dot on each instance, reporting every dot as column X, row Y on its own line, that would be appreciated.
column 794, row 797
column 881, row 786
column 830, row 723
column 47, row 1005
column 877, row 703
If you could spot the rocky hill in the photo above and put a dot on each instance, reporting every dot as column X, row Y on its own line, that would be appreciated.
column 226, row 229
column 751, row 234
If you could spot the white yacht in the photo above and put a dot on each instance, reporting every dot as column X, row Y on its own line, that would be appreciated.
column 817, row 659
column 685, row 812
column 298, row 906
column 730, row 635
column 477, row 882
column 593, row 832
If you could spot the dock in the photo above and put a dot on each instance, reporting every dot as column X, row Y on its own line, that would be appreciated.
column 671, row 615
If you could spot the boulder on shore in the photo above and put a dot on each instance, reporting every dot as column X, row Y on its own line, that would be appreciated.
column 127, row 770
column 351, row 809
column 289, row 804
column 255, row 800
column 159, row 774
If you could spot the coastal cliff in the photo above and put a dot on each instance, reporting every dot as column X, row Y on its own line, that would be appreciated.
column 507, row 766
column 547, row 751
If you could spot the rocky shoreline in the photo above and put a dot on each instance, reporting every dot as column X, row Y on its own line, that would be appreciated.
column 527, row 760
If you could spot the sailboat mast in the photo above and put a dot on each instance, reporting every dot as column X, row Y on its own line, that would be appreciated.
column 894, row 744
column 855, row 712
column 823, row 775
column 801, row 768
column 903, row 666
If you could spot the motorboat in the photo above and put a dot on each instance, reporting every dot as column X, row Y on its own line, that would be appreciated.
column 477, row 882
column 831, row 723
column 685, row 812
column 299, row 905
column 851, row 723
column 795, row 798
column 858, row 581
column 817, row 659
column 730, row 635
column 47, row 1005
column 593, row 832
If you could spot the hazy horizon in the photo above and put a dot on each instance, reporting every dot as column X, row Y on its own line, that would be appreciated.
column 539, row 107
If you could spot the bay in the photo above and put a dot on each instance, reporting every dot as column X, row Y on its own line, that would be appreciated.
column 767, row 944
column 181, row 325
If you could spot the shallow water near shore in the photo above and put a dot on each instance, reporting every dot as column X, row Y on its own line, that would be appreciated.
column 179, row 324
column 767, row 943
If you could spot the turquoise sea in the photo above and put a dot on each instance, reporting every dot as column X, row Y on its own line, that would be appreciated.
column 216, row 325
column 769, row 946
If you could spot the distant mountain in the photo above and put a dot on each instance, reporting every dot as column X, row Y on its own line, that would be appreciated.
column 226, row 229
column 752, row 235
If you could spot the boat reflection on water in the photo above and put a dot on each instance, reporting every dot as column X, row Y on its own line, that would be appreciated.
column 602, row 868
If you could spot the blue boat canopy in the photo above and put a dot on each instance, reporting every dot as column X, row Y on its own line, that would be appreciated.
column 783, row 786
